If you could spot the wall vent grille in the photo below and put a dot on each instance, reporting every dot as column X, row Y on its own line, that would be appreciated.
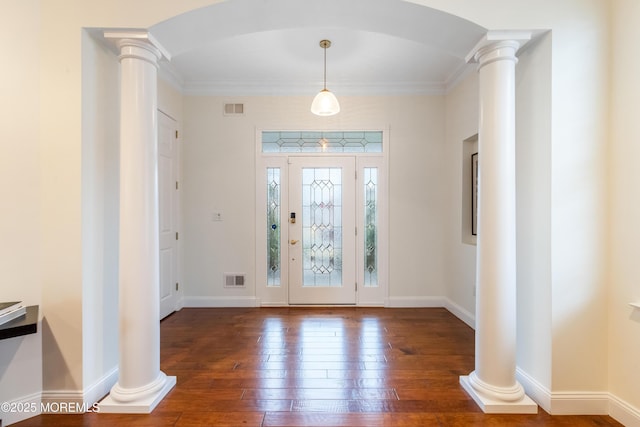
column 233, row 109
column 234, row 280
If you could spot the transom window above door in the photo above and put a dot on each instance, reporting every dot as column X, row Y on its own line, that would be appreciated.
column 321, row 142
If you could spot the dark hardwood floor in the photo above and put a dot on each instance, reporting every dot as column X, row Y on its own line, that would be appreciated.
column 356, row 367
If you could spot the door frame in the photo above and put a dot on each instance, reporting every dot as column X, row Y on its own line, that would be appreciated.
column 279, row 295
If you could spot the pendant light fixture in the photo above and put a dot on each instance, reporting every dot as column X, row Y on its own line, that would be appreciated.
column 325, row 103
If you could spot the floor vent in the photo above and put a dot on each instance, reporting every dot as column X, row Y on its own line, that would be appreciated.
column 233, row 280
column 233, row 109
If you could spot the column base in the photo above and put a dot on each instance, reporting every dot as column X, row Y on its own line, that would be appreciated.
column 145, row 405
column 493, row 406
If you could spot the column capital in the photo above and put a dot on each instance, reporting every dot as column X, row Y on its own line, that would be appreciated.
column 137, row 44
column 498, row 45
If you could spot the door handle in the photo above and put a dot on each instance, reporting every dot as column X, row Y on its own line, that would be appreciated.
column 293, row 242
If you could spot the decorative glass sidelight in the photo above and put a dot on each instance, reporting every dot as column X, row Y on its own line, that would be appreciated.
column 322, row 226
column 273, row 227
column 322, row 142
column 370, row 227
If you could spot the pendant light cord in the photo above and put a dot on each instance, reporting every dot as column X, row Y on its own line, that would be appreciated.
column 325, row 67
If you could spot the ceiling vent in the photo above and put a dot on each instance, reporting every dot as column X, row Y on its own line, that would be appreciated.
column 233, row 109
column 234, row 280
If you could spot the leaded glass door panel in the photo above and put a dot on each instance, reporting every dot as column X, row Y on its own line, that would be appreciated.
column 322, row 264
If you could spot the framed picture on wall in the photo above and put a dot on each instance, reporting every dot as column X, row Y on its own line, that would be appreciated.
column 474, row 194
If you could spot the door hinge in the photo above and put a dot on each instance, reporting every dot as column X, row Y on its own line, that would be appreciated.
column 356, row 174
column 356, row 286
column 176, row 185
column 356, row 231
column 177, row 286
column 176, row 235
column 176, row 133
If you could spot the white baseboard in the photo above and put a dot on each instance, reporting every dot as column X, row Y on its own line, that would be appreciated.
column 220, row 302
column 63, row 402
column 374, row 304
column 425, row 302
column 623, row 412
column 262, row 303
column 101, row 388
column 273, row 304
column 80, row 401
column 460, row 313
column 23, row 408
column 539, row 393
column 579, row 403
column 564, row 402
column 60, row 401
column 415, row 302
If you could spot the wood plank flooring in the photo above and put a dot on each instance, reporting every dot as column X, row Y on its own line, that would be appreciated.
column 286, row 367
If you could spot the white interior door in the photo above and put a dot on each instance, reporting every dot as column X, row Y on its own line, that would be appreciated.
column 321, row 247
column 168, row 202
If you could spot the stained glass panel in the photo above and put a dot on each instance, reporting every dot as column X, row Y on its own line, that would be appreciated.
column 322, row 142
column 370, row 227
column 273, row 227
column 322, row 226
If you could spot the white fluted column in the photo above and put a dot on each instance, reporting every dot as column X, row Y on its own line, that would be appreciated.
column 493, row 384
column 141, row 384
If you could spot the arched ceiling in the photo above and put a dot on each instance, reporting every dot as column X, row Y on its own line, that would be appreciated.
column 270, row 47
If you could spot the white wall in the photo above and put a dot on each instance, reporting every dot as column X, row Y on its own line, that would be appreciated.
column 624, row 321
column 20, row 228
column 461, row 124
column 219, row 175
column 578, row 198
column 533, row 207
column 170, row 99
column 417, row 199
column 100, row 217
column 60, row 172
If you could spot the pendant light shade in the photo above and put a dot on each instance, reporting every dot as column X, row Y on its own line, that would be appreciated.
column 325, row 103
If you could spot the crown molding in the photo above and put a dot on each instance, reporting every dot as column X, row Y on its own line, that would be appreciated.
column 261, row 88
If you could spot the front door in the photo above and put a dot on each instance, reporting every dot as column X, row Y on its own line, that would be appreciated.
column 322, row 243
